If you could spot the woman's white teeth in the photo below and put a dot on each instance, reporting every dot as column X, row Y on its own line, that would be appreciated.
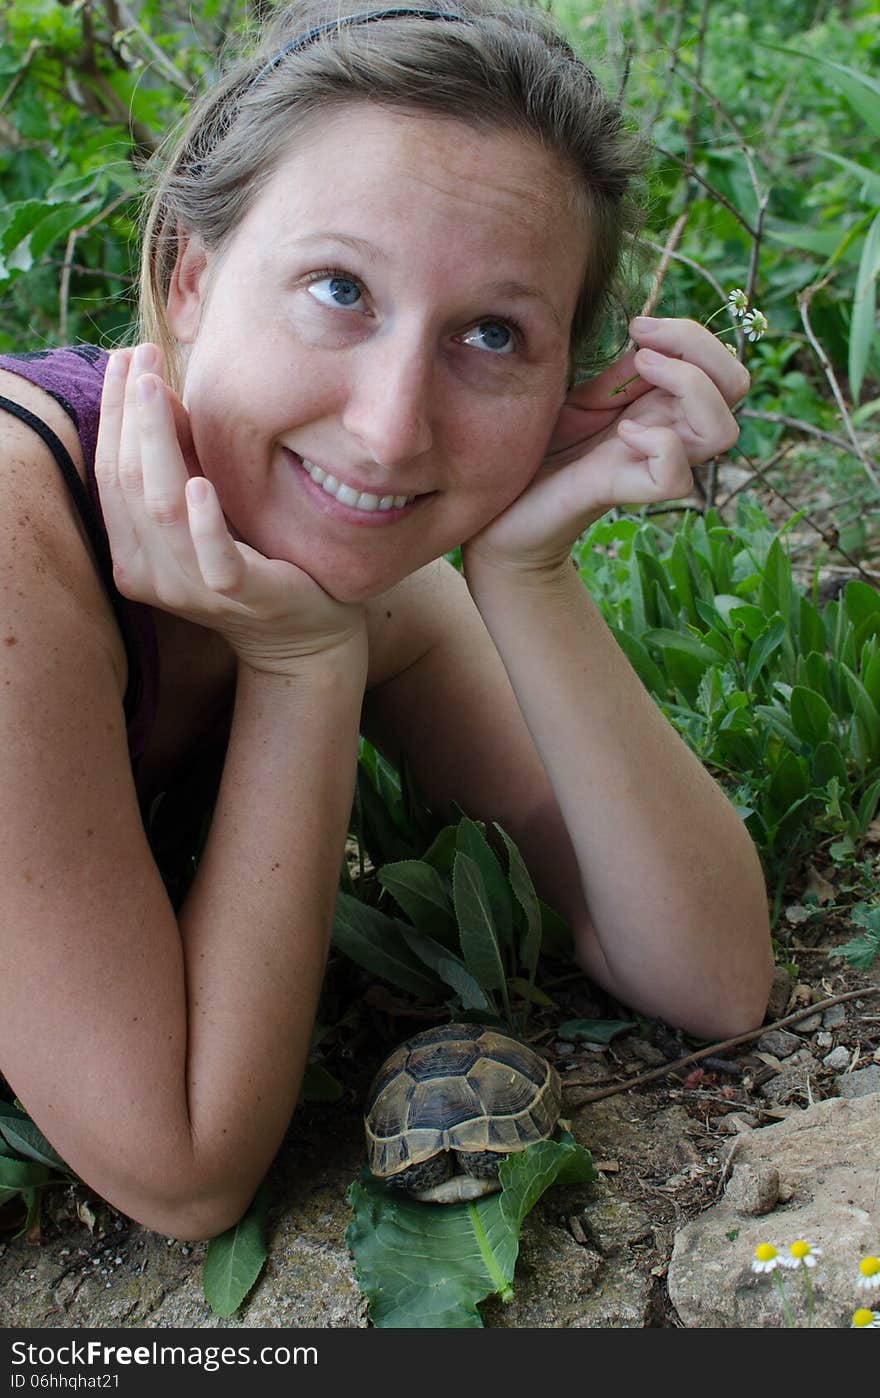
column 347, row 495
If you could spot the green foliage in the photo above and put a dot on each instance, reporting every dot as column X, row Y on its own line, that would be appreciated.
column 234, row 1260
column 780, row 697
column 428, row 1266
column 862, row 952
column 471, row 931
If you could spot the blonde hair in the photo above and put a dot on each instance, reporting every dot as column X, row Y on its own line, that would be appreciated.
column 501, row 68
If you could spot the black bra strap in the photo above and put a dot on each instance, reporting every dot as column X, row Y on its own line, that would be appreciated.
column 94, row 529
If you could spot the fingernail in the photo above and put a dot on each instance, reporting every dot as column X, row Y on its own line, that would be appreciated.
column 142, row 359
column 647, row 356
column 197, row 490
column 644, row 323
column 117, row 365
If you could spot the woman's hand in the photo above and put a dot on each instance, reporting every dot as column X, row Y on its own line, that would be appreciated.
column 626, row 448
column 169, row 541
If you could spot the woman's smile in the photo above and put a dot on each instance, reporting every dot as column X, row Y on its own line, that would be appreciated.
column 337, row 497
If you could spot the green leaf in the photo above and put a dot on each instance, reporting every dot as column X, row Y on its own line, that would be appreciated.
column 870, row 192
column 863, row 327
column 471, row 840
column 421, row 893
column 761, row 649
column 475, row 924
column 527, row 898
column 18, row 1175
column 377, row 943
column 810, row 715
column 595, row 1031
column 235, row 1259
column 449, row 968
column 427, row 1266
column 862, row 92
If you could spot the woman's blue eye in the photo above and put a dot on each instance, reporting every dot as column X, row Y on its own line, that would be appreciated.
column 492, row 335
column 336, row 291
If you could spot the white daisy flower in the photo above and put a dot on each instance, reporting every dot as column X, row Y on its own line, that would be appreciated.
column 869, row 1280
column 801, row 1255
column 738, row 301
column 767, row 1259
column 755, row 324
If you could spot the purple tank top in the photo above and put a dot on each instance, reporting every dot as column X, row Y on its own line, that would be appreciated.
column 74, row 378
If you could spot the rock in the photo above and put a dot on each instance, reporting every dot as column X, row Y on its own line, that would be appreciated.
column 824, row 1039
column 780, row 994
column 861, row 1083
column 809, row 1024
column 793, row 1081
column 753, row 1189
column 827, row 1158
column 735, row 1122
column 779, row 1042
column 838, row 1058
column 648, row 1053
column 834, row 1017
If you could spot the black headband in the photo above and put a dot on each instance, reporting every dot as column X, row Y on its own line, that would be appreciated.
column 303, row 40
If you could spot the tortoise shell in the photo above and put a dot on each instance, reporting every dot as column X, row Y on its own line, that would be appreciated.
column 460, row 1087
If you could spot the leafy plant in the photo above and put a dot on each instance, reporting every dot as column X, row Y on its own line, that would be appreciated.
column 779, row 696
column 862, row 952
column 463, row 1252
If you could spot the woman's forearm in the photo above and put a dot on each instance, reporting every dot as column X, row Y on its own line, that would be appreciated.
column 670, row 878
column 256, row 922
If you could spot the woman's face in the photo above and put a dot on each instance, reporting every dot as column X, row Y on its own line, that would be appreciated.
column 390, row 319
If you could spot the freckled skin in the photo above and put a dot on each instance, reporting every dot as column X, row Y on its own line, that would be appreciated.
column 387, row 394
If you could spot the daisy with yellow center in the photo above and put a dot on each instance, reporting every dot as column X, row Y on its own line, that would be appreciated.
column 801, row 1255
column 865, row 1320
column 869, row 1267
column 767, row 1259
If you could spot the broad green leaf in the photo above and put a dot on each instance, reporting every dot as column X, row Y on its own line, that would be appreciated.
column 422, row 894
column 870, row 192
column 595, row 1031
column 867, row 720
column 471, row 840
column 427, row 1266
column 234, row 1260
column 863, row 323
column 828, row 762
column 789, row 783
column 761, row 649
column 476, row 927
column 18, row 1175
column 810, row 715
column 440, row 854
column 377, row 943
column 527, row 898
column 520, row 986
column 868, row 805
column 23, row 1136
column 860, row 601
column 449, row 968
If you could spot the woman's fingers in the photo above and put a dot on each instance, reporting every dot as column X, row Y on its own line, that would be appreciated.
column 703, row 412
column 121, row 531
column 688, row 341
column 220, row 562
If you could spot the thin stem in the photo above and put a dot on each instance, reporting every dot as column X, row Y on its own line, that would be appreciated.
column 786, row 1309
column 804, row 299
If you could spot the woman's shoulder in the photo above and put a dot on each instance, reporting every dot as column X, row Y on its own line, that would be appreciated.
column 62, row 388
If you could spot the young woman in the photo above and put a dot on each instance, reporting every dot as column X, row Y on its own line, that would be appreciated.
column 369, row 262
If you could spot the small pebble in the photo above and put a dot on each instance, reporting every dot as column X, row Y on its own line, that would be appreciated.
column 837, row 1059
column 809, row 1023
column 834, row 1017
column 562, row 1049
column 824, row 1039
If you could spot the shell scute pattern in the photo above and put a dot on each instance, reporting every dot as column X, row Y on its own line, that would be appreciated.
column 458, row 1087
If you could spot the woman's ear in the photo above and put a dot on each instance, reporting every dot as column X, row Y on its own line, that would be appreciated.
column 188, row 285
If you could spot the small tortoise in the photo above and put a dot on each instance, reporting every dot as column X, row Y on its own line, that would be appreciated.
column 450, row 1103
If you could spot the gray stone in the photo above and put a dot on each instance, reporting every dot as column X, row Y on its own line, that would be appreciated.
column 779, row 1042
column 793, row 1082
column 860, row 1083
column 753, row 1189
column 824, row 1039
column 828, row 1158
column 838, row 1058
column 834, row 1017
column 809, row 1024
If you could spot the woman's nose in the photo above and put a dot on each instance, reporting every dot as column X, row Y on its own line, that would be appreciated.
column 389, row 407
